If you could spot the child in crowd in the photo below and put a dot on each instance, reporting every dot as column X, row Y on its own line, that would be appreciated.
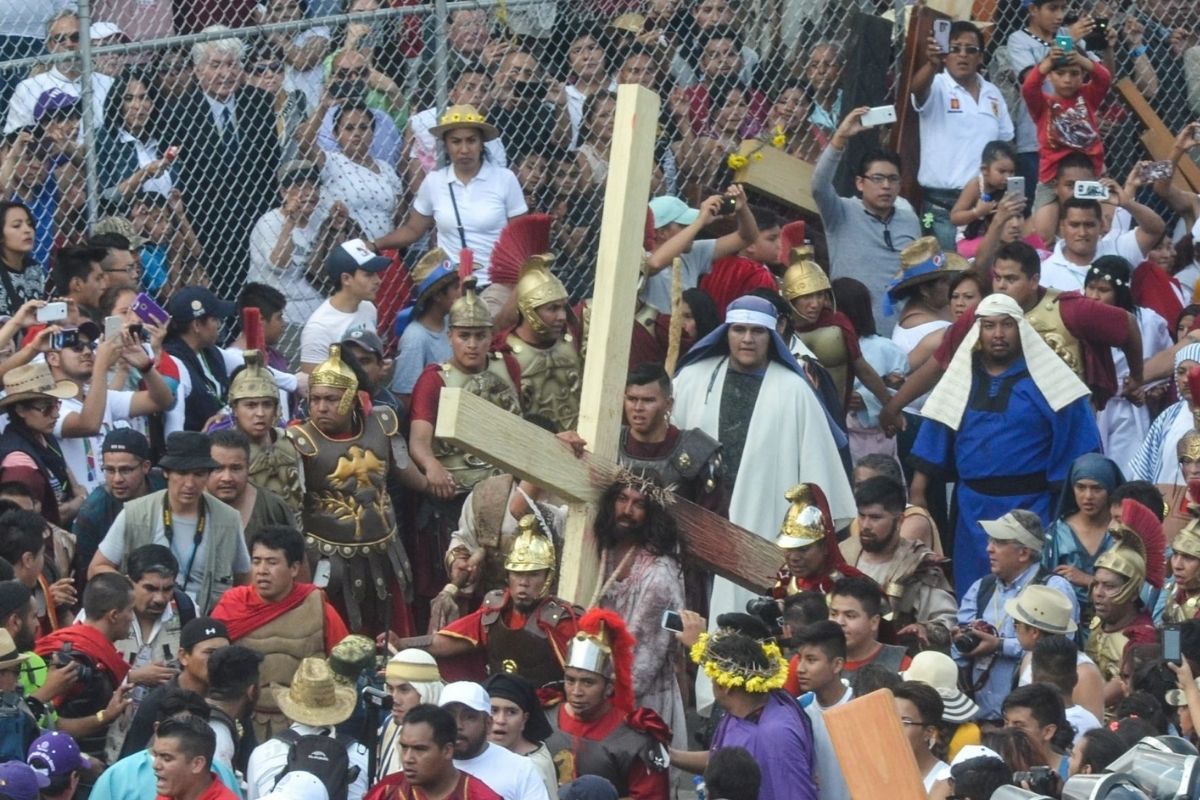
column 979, row 198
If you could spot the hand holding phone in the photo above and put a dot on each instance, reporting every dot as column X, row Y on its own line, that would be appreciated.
column 671, row 621
column 878, row 115
column 52, row 312
column 1090, row 190
column 1156, row 171
column 1172, row 653
column 941, row 34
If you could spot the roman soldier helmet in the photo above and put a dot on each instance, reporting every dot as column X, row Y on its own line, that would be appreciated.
column 1187, row 541
column 468, row 310
column 804, row 275
column 604, row 646
column 336, row 374
column 532, row 551
column 254, row 381
column 536, row 287
column 1188, row 446
column 804, row 522
column 1138, row 553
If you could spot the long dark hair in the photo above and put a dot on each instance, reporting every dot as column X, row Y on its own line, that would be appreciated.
column 114, row 103
column 1118, row 273
column 853, row 299
column 660, row 533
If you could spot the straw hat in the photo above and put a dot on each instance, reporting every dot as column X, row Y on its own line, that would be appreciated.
column 34, row 381
column 939, row 671
column 1043, row 608
column 920, row 262
column 315, row 697
column 10, row 656
column 464, row 116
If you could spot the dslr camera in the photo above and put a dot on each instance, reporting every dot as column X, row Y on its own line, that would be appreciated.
column 967, row 641
column 1039, row 780
column 377, row 698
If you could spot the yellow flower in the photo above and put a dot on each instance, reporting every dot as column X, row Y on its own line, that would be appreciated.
column 779, row 140
column 737, row 161
column 456, row 117
column 758, row 156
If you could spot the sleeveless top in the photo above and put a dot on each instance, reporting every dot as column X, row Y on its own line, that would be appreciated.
column 907, row 340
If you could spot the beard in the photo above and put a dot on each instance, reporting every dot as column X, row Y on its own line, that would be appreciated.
column 876, row 545
column 24, row 639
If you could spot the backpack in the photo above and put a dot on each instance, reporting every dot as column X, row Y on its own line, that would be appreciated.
column 324, row 756
column 18, row 728
column 987, row 587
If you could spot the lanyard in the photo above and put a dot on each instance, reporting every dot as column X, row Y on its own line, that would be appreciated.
column 169, row 531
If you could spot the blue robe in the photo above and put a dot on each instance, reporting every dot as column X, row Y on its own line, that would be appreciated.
column 1010, row 451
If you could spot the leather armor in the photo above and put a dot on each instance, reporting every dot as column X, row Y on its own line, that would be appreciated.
column 1046, row 319
column 611, row 758
column 277, row 468
column 527, row 650
column 694, row 462
column 493, row 385
column 551, row 379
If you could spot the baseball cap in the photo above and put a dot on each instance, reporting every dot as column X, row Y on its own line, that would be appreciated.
column 297, row 171
column 56, row 753
column 126, row 440
column 971, row 751
column 668, row 209
column 469, row 694
column 106, row 30
column 352, row 255
column 368, row 340
column 194, row 302
column 1011, row 528
column 122, row 227
column 52, row 101
column 201, row 629
column 19, row 781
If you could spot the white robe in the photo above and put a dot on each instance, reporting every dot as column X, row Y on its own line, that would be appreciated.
column 1123, row 426
column 788, row 442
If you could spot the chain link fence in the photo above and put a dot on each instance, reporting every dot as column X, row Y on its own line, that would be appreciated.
column 186, row 131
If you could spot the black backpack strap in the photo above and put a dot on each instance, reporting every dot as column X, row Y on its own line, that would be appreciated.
column 987, row 588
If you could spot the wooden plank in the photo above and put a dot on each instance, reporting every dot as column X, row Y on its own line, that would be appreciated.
column 906, row 134
column 1162, row 139
column 618, row 263
column 531, row 453
column 783, row 178
column 876, row 758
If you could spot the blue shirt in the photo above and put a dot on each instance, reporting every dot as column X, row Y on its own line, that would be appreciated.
column 1007, row 659
column 132, row 778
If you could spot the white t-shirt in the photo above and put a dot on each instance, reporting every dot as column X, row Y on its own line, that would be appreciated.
column 425, row 144
column 302, row 297
column 1059, row 273
column 1082, row 721
column 370, row 195
column 183, row 547
column 147, row 153
column 309, row 81
column 327, row 326
column 82, row 453
column 511, row 776
column 25, row 96
column 270, row 758
column 484, row 206
column 955, row 128
column 940, row 771
column 696, row 264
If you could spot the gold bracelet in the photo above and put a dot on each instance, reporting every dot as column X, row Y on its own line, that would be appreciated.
column 100, row 716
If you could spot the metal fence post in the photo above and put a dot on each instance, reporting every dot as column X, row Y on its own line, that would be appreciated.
column 441, row 58
column 88, row 91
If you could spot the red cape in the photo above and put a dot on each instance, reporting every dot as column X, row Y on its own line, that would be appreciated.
column 90, row 642
column 243, row 611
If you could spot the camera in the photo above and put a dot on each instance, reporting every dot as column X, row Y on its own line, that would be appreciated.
column 728, row 205
column 63, row 657
column 1040, row 780
column 767, row 610
column 377, row 698
column 969, row 639
column 64, row 339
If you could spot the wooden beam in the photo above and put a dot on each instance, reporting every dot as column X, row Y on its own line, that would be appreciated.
column 618, row 264
column 774, row 173
column 876, row 758
column 906, row 133
column 533, row 454
column 1158, row 138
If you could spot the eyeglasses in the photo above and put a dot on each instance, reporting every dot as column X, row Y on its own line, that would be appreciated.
column 964, row 49
column 44, row 406
column 59, row 38
column 906, row 722
column 263, row 67
column 880, row 179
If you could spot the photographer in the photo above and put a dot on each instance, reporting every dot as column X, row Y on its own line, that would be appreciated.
column 986, row 637
column 100, row 693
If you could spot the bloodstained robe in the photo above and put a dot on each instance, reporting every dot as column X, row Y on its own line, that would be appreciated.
column 1011, row 450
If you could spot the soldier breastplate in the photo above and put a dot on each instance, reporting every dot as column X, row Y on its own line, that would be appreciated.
column 829, row 346
column 277, row 468
column 493, row 385
column 346, row 508
column 550, row 380
column 1046, row 319
column 526, row 650
column 1174, row 611
column 694, row 450
column 284, row 642
column 1106, row 649
column 611, row 758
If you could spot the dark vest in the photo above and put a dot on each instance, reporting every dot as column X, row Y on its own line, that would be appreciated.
column 611, row 758
column 202, row 402
column 526, row 650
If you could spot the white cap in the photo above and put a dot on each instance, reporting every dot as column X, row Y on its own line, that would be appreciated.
column 298, row 786
column 974, row 751
column 469, row 693
column 105, row 30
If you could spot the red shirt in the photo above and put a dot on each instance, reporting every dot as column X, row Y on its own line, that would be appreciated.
column 215, row 791
column 426, row 393
column 397, row 787
column 472, row 629
column 1066, row 124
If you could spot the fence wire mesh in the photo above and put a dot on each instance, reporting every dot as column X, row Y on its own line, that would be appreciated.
column 191, row 129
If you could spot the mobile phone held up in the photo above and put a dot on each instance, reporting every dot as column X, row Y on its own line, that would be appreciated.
column 941, row 34
column 879, row 115
column 149, row 311
column 52, row 312
column 1090, row 190
column 671, row 621
column 1171, row 645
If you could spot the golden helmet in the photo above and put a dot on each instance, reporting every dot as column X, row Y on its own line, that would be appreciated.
column 469, row 311
column 254, row 381
column 1187, row 541
column 1188, row 446
column 337, row 374
column 536, row 287
column 532, row 550
column 804, row 275
column 803, row 524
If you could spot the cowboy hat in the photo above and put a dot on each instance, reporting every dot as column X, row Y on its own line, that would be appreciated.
column 315, row 697
column 464, row 116
column 10, row 656
column 1043, row 608
column 920, row 262
column 34, row 381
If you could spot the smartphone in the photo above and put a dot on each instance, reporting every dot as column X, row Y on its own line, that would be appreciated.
column 1064, row 43
column 64, row 339
column 112, row 327
column 1091, row 190
column 671, row 621
column 879, row 115
column 1156, row 171
column 941, row 34
column 148, row 310
column 1015, row 185
column 728, row 205
column 1171, row 652
column 1097, row 40
column 52, row 312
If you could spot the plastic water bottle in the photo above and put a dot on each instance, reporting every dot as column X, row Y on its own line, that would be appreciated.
column 698, row 785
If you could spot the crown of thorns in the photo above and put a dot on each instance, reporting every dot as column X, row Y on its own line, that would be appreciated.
column 646, row 485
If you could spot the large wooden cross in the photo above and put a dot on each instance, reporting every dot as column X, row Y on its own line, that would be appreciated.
column 530, row 453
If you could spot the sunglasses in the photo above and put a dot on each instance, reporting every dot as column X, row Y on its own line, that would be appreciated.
column 58, row 38
column 263, row 67
column 44, row 406
column 81, row 347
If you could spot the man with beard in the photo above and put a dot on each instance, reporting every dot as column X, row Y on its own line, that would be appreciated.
column 512, row 776
column 40, row 683
column 523, row 628
column 125, row 459
column 1002, row 371
column 276, row 615
column 689, row 460
column 812, row 560
column 910, row 573
column 230, row 483
column 641, row 559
